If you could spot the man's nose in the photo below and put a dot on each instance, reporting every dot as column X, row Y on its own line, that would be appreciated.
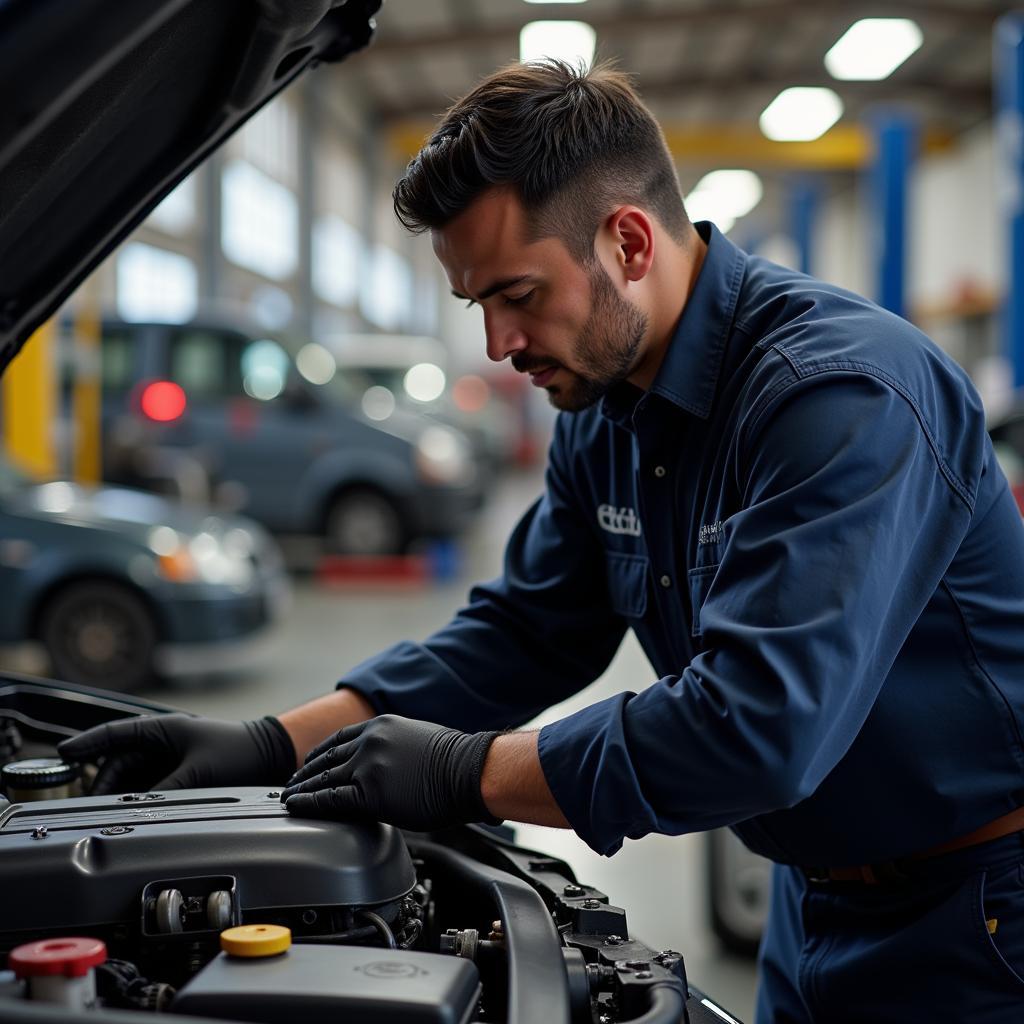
column 504, row 338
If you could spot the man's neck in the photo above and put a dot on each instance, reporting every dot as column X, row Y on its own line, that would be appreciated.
column 678, row 263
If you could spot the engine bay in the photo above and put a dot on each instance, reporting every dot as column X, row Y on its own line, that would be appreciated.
column 337, row 921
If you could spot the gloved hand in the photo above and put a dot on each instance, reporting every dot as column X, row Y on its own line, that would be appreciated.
column 183, row 752
column 412, row 774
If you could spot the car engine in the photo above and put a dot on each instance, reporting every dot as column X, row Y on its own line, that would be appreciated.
column 217, row 904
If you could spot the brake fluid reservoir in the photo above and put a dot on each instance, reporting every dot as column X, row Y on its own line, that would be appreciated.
column 60, row 971
column 40, row 778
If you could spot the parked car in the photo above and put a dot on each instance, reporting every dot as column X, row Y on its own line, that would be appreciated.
column 415, row 372
column 119, row 586
column 207, row 405
column 1007, row 434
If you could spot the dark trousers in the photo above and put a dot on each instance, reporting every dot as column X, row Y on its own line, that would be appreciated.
column 919, row 950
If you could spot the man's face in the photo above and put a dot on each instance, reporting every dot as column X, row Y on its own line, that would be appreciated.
column 563, row 323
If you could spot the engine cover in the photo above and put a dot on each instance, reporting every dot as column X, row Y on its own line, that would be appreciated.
column 74, row 865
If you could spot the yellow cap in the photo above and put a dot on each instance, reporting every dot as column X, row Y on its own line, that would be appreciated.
column 256, row 940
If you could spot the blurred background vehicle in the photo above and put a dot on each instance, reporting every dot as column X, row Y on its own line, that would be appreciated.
column 266, row 426
column 414, row 372
column 119, row 586
column 1007, row 433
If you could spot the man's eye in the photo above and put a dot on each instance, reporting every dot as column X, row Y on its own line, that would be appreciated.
column 519, row 300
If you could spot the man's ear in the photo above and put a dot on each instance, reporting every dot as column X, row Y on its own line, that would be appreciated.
column 631, row 231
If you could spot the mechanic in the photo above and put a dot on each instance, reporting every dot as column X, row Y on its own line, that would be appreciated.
column 790, row 497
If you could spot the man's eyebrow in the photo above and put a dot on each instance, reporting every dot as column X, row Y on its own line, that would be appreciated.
column 498, row 286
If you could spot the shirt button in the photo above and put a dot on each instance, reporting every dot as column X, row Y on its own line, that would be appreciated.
column 659, row 470
column 666, row 581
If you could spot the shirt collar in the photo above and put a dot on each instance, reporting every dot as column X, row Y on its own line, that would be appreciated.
column 689, row 372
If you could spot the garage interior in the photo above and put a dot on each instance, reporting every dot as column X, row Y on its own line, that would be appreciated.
column 910, row 195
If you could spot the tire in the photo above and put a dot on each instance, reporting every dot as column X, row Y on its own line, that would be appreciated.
column 99, row 633
column 363, row 521
column 739, row 884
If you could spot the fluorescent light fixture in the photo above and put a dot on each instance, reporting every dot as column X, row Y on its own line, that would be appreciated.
column 737, row 192
column 571, row 41
column 801, row 114
column 556, row 1
column 709, row 206
column 873, row 48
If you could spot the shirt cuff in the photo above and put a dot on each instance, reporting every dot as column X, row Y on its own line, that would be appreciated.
column 589, row 769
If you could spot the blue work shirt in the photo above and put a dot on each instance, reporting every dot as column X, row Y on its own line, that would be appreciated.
column 804, row 523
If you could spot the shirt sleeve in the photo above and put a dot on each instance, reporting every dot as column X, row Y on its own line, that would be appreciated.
column 850, row 518
column 534, row 636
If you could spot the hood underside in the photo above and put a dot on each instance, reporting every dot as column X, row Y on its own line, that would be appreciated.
column 105, row 105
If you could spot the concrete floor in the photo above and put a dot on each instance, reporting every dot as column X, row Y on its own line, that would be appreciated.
column 659, row 880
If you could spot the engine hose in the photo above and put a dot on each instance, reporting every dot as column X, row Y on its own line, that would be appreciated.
column 382, row 926
column 667, row 1006
column 337, row 938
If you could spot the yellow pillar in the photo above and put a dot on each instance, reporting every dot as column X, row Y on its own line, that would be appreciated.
column 30, row 404
column 86, row 395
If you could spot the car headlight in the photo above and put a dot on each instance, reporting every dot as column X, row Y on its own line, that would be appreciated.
column 442, row 457
column 205, row 558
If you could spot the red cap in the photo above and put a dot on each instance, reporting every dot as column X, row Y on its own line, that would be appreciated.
column 72, row 958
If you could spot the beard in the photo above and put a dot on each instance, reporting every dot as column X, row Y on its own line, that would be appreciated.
column 605, row 350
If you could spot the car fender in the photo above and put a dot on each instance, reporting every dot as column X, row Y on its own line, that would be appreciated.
column 49, row 573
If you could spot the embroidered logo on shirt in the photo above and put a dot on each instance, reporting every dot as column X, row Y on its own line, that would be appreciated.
column 618, row 520
column 711, row 533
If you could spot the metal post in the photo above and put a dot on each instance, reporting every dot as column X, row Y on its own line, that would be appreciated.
column 1008, row 64
column 310, row 127
column 896, row 142
column 803, row 210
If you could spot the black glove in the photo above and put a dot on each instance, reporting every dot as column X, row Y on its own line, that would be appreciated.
column 415, row 775
column 183, row 752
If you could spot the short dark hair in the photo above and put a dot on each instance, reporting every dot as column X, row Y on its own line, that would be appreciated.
column 573, row 143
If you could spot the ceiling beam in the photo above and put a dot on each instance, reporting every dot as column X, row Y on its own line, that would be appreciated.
column 968, row 97
column 844, row 148
column 966, row 16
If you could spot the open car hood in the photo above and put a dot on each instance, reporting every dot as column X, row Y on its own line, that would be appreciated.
column 105, row 105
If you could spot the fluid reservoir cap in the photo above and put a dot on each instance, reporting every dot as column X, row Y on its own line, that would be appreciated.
column 38, row 773
column 70, row 958
column 256, row 940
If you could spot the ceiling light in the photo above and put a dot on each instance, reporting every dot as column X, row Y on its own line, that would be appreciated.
column 736, row 192
column 556, row 1
column 571, row 41
column 873, row 48
column 801, row 114
column 709, row 206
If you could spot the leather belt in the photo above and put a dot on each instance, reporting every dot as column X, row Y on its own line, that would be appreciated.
column 898, row 870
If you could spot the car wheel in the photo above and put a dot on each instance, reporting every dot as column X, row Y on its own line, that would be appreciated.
column 364, row 522
column 739, row 889
column 99, row 634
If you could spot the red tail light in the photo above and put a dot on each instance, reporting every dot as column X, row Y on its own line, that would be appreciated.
column 162, row 400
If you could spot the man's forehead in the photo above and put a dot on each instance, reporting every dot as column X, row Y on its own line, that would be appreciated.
column 487, row 240
column 497, row 214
